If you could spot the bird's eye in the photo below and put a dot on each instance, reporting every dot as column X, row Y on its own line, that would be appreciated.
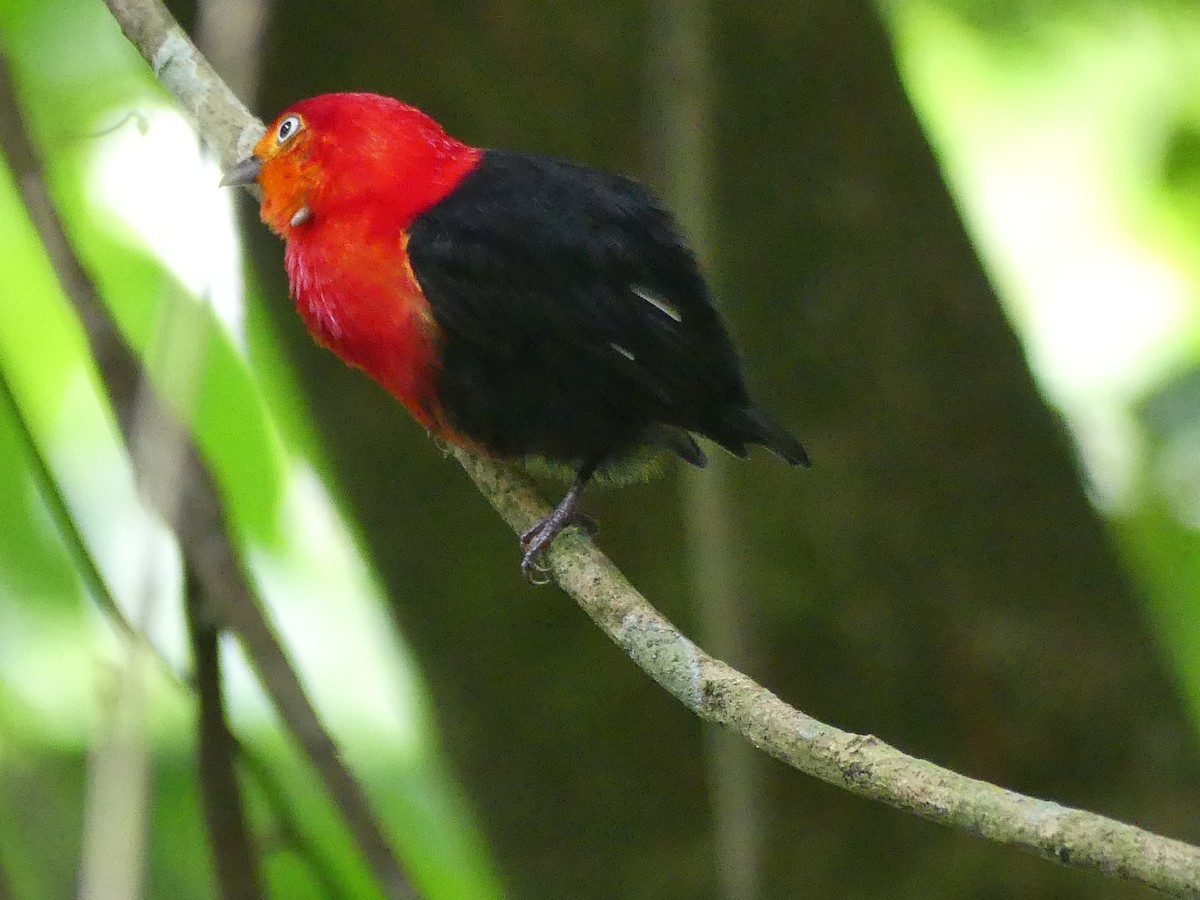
column 287, row 128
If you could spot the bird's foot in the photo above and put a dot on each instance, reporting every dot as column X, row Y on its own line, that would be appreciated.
column 537, row 540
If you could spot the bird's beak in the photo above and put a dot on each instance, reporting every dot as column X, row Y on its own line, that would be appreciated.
column 244, row 172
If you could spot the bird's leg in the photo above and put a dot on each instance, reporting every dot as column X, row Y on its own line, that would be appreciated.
column 537, row 540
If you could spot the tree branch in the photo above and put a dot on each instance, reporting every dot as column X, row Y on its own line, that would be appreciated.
column 190, row 504
column 680, row 136
column 717, row 693
column 862, row 764
column 233, row 853
column 289, row 829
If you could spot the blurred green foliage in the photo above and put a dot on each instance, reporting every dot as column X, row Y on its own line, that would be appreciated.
column 228, row 380
column 1097, row 103
column 813, row 204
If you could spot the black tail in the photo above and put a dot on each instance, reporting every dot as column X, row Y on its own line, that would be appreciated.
column 678, row 442
column 753, row 426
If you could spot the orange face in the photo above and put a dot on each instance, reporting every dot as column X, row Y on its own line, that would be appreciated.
column 282, row 165
column 361, row 156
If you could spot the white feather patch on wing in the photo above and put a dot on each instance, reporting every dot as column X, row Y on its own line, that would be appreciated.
column 625, row 353
column 658, row 302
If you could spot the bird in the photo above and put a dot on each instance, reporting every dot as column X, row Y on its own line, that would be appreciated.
column 521, row 305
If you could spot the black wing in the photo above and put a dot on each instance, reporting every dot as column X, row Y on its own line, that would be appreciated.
column 576, row 323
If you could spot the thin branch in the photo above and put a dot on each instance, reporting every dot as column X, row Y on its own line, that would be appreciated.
column 717, row 693
column 290, row 831
column 85, row 564
column 56, row 505
column 679, row 138
column 191, row 505
column 117, row 793
column 233, row 853
column 862, row 764
column 235, row 28
column 208, row 548
column 228, row 127
column 116, row 806
column 231, row 34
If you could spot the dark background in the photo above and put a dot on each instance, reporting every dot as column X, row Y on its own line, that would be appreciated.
column 938, row 579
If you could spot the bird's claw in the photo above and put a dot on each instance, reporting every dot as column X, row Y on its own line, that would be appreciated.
column 535, row 543
column 537, row 540
column 584, row 522
column 536, row 572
